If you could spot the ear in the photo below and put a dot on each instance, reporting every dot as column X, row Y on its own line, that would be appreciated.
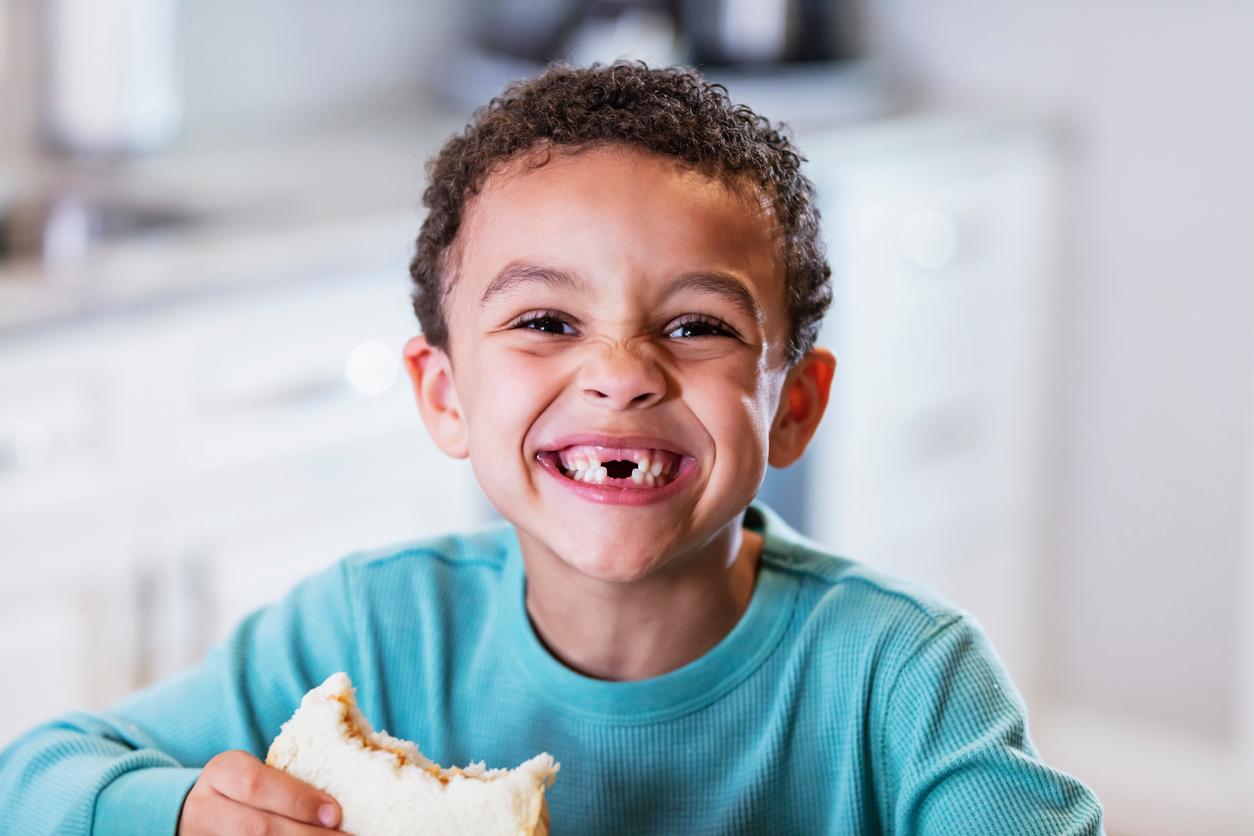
column 801, row 405
column 431, row 373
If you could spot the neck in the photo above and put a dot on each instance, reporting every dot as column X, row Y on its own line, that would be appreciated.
column 638, row 630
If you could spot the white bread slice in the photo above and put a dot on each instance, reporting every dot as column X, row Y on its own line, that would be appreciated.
column 386, row 786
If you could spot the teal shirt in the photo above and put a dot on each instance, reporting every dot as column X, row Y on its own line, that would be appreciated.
column 842, row 702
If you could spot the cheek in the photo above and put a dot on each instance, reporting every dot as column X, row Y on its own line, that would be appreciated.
column 504, row 379
column 510, row 391
column 735, row 409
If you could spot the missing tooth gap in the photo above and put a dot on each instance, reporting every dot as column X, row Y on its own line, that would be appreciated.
column 619, row 469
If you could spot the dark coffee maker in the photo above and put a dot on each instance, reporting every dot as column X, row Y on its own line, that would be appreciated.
column 714, row 33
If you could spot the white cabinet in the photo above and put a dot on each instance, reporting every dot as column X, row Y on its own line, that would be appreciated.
column 68, row 635
column 43, row 638
column 928, row 465
column 164, row 471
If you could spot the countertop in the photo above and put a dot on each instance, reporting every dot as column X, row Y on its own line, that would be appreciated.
column 335, row 199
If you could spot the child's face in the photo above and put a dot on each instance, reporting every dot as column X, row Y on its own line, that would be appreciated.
column 612, row 304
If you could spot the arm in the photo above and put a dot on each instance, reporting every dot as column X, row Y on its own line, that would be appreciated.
column 128, row 770
column 955, row 749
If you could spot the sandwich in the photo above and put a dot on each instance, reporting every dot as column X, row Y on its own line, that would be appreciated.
column 384, row 785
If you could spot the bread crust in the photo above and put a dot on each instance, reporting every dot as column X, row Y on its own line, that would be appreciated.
column 385, row 785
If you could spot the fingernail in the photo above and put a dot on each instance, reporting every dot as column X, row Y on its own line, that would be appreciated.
column 327, row 815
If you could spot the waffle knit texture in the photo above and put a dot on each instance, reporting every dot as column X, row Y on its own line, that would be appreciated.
column 842, row 702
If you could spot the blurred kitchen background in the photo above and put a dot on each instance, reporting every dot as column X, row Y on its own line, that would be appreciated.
column 1040, row 220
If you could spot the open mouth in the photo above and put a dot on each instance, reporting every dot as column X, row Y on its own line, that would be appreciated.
column 636, row 468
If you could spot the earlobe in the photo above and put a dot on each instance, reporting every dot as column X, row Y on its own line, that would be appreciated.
column 802, row 403
column 431, row 374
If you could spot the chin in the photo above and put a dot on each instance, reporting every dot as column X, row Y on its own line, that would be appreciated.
column 621, row 564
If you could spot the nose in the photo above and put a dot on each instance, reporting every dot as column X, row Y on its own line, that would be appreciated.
column 621, row 379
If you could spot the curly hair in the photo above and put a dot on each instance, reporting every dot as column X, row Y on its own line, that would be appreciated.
column 670, row 111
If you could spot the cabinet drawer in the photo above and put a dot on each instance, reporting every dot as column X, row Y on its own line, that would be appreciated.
column 42, row 650
column 56, row 420
column 295, row 372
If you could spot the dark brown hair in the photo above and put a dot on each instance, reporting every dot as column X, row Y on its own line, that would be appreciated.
column 670, row 111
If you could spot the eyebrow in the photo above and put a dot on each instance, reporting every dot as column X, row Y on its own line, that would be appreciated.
column 518, row 274
column 719, row 284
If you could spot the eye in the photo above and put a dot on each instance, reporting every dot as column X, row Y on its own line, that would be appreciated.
column 547, row 322
column 699, row 325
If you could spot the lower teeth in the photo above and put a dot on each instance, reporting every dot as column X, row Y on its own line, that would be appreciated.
column 599, row 476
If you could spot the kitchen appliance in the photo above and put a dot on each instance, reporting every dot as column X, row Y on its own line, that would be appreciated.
column 796, row 60
column 766, row 32
column 713, row 32
column 110, row 83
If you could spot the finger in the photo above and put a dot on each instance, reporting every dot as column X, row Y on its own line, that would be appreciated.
column 247, row 780
column 229, row 816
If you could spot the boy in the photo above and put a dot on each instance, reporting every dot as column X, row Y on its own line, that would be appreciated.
column 619, row 283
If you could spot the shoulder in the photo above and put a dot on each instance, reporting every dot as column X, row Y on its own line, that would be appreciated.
column 485, row 547
column 850, row 617
column 839, row 592
column 854, row 623
column 455, row 561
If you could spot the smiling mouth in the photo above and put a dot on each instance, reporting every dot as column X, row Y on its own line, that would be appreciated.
column 621, row 467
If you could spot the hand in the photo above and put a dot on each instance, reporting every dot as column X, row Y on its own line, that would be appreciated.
column 238, row 794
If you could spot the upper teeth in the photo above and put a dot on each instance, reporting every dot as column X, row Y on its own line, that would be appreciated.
column 584, row 464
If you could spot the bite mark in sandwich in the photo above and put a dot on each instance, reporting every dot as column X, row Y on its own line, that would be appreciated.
column 385, row 785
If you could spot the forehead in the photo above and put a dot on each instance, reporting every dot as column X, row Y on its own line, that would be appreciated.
column 621, row 218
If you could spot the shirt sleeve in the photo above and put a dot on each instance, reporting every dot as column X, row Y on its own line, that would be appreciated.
column 128, row 769
column 956, row 752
